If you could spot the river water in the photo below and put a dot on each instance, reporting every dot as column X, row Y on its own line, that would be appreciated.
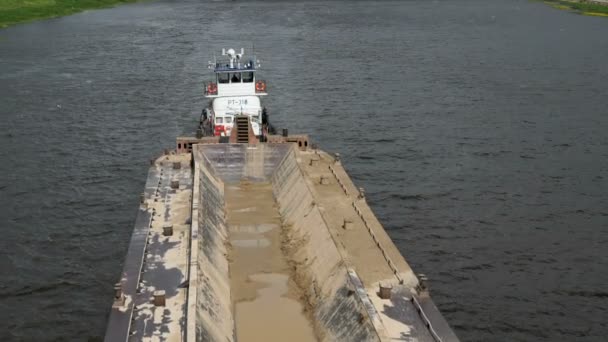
column 477, row 127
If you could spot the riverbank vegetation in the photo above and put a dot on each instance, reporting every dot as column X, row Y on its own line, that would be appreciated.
column 582, row 7
column 19, row 11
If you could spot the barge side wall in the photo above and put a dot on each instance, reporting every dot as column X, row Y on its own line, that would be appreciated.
column 338, row 313
column 214, row 320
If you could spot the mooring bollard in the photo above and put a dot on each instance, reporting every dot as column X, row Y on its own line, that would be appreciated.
column 174, row 184
column 423, row 284
column 117, row 290
column 177, row 165
column 119, row 296
column 324, row 180
column 167, row 229
column 361, row 193
column 385, row 291
column 159, row 298
column 348, row 224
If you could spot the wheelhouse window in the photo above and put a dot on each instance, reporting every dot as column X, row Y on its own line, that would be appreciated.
column 235, row 77
column 247, row 77
column 223, row 78
column 219, row 120
column 228, row 119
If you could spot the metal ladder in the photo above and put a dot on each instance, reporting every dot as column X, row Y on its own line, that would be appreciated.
column 241, row 124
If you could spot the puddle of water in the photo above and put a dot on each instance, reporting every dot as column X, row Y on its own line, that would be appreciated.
column 253, row 228
column 251, row 243
column 271, row 316
column 262, row 295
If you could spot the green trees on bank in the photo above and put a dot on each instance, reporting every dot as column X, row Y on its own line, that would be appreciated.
column 582, row 7
column 19, row 11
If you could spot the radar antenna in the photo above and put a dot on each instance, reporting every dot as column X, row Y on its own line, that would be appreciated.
column 233, row 56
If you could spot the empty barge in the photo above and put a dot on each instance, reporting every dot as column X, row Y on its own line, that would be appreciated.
column 243, row 235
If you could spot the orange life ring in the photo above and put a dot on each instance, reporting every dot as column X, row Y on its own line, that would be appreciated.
column 212, row 88
column 260, row 86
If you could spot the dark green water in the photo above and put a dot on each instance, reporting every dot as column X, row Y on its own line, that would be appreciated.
column 478, row 129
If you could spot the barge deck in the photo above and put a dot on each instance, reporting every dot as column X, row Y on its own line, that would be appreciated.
column 232, row 239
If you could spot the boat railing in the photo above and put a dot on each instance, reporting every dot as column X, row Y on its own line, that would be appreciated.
column 225, row 66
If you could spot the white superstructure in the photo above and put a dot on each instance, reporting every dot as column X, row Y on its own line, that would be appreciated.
column 234, row 91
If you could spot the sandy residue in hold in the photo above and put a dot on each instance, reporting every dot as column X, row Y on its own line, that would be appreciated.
column 282, row 320
column 302, row 277
column 265, row 298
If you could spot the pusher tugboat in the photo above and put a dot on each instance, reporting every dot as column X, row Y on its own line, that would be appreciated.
column 235, row 97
